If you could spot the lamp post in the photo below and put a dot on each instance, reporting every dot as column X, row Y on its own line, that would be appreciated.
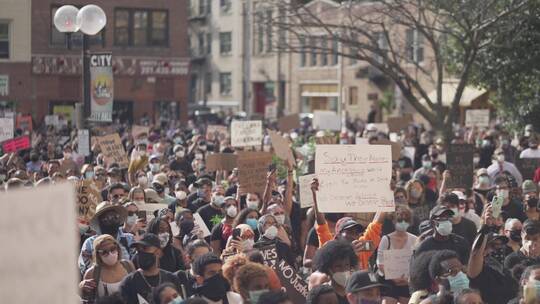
column 90, row 20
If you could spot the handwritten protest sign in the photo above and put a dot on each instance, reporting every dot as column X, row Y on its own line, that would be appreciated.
column 361, row 141
column 527, row 166
column 252, row 170
column 478, row 118
column 246, row 133
column 396, row 147
column 6, row 129
column 289, row 122
column 83, row 137
column 459, row 159
column 24, row 123
column 326, row 120
column 16, row 144
column 281, row 147
column 354, row 178
column 306, row 197
column 113, row 150
column 199, row 222
column 271, row 111
column 396, row 124
column 41, row 262
column 409, row 152
column 326, row 140
column 88, row 197
column 137, row 131
column 396, row 263
column 213, row 131
column 221, row 161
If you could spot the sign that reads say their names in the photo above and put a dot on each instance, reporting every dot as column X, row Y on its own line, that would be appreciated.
column 111, row 146
column 88, row 197
column 101, row 87
column 306, row 196
column 459, row 158
column 83, row 137
column 396, row 263
column 31, row 259
column 6, row 129
column 354, row 178
column 246, row 133
column 478, row 118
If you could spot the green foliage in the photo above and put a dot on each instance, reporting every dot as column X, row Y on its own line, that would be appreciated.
column 216, row 219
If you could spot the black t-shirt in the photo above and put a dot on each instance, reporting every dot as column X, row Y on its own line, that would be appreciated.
column 171, row 260
column 296, row 224
column 200, row 202
column 217, row 235
column 207, row 213
column 454, row 242
column 231, row 191
column 513, row 259
column 312, row 238
column 134, row 284
column 187, row 280
column 495, row 283
column 181, row 165
column 466, row 228
column 192, row 197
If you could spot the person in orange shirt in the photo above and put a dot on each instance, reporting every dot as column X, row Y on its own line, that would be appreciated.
column 364, row 241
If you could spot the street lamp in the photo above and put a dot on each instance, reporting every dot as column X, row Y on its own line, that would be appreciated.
column 90, row 20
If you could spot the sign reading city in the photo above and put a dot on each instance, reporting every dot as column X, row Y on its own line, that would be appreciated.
column 101, row 87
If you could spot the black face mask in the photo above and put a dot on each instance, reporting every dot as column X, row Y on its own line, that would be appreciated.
column 498, row 255
column 214, row 288
column 159, row 189
column 186, row 226
column 405, row 177
column 146, row 260
column 515, row 235
column 110, row 229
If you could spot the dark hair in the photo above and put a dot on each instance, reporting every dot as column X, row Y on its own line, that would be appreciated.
column 273, row 297
column 116, row 186
column 195, row 300
column 501, row 179
column 317, row 291
column 458, row 298
column 200, row 263
column 115, row 298
column 153, row 227
column 255, row 256
column 331, row 252
column 419, row 278
column 156, row 293
column 241, row 217
column 435, row 267
column 449, row 198
column 531, row 227
column 191, row 247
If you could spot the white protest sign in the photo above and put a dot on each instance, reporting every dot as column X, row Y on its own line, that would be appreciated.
column 246, row 133
column 43, row 263
column 361, row 141
column 51, row 120
column 393, row 137
column 479, row 118
column 381, row 127
column 306, row 197
column 354, row 178
column 326, row 120
column 6, row 129
column 396, row 263
column 200, row 223
column 271, row 111
column 409, row 152
column 83, row 137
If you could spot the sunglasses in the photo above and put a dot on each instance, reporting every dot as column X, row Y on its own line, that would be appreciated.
column 105, row 252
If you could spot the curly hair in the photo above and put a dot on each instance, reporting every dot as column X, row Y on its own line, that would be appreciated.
column 201, row 262
column 245, row 274
column 419, row 278
column 435, row 267
column 232, row 265
column 331, row 252
column 317, row 291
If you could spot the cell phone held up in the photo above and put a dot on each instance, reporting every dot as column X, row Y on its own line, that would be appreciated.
column 236, row 234
column 496, row 205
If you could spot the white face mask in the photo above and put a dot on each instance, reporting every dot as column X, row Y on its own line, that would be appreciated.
column 248, row 244
column 139, row 202
column 444, row 228
column 198, row 156
column 67, row 155
column 110, row 259
column 500, row 158
column 219, row 200
column 143, row 180
column 131, row 220
column 164, row 239
column 180, row 154
column 341, row 277
column 253, row 204
column 181, row 195
column 280, row 218
column 232, row 211
column 271, row 232
column 504, row 193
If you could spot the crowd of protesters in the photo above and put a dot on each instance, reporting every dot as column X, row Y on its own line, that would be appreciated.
column 467, row 249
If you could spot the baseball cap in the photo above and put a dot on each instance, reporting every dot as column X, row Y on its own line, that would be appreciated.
column 161, row 179
column 346, row 223
column 440, row 210
column 528, row 186
column 461, row 196
column 362, row 280
column 148, row 240
column 482, row 171
column 496, row 237
column 203, row 181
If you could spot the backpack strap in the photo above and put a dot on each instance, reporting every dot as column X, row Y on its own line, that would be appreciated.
column 127, row 266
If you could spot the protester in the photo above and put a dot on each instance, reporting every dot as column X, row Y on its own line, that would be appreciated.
column 171, row 258
column 468, row 296
column 251, row 281
column 512, row 230
column 530, row 248
column 322, row 294
column 460, row 225
column 210, row 283
column 363, row 287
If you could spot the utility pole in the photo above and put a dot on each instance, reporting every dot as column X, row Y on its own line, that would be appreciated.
column 246, row 95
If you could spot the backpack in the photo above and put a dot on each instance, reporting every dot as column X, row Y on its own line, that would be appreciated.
column 96, row 275
column 373, row 258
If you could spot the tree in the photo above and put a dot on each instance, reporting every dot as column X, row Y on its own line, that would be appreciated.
column 413, row 43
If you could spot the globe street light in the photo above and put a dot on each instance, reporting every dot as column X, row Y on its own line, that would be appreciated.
column 89, row 20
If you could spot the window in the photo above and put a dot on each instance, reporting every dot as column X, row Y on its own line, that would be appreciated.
column 4, row 39
column 209, row 43
column 202, row 7
column 58, row 39
column 335, row 50
column 414, row 46
column 259, row 23
column 136, row 27
column 208, row 83
column 193, row 88
column 303, row 57
column 353, row 96
column 313, row 44
column 382, row 44
column 208, row 6
column 225, row 44
column 353, row 49
column 225, row 83
column 225, row 5
column 200, row 43
column 324, row 54
column 269, row 29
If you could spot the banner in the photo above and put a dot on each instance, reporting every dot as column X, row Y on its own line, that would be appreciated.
column 16, row 144
column 113, row 150
column 326, row 120
column 281, row 147
column 478, row 118
column 246, row 133
column 101, row 87
column 6, row 129
column 288, row 123
column 88, row 197
column 306, row 196
column 354, row 178
column 252, row 170
column 459, row 160
column 221, row 161
column 39, row 245
column 213, row 131
column 83, row 137
column 51, row 120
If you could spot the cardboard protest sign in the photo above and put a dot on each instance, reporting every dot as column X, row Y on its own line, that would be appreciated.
column 478, row 118
column 281, row 147
column 113, row 150
column 459, row 159
column 213, row 131
column 83, row 137
column 24, row 123
column 88, row 197
column 396, row 263
column 246, row 133
column 289, row 122
column 396, row 124
column 16, row 144
column 527, row 167
column 326, row 140
column 306, row 196
column 326, row 120
column 396, row 147
column 45, row 263
column 137, row 131
column 252, row 170
column 354, row 178
column 6, row 129
column 221, row 161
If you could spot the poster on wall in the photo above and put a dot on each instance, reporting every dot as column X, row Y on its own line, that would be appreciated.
column 101, row 87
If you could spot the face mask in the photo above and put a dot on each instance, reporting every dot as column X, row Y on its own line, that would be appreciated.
column 456, row 213
column 498, row 255
column 111, row 229
column 252, row 223
column 256, row 294
column 248, row 244
column 203, row 148
column 402, row 226
column 280, row 218
column 178, row 140
column 146, row 260
column 253, row 204
column 154, row 167
column 458, row 282
column 180, row 154
column 483, row 180
column 142, row 153
column 416, row 194
column 89, row 174
column 198, row 156
column 400, row 200
column 503, row 193
column 131, row 220
column 67, row 155
column 232, row 211
column 515, row 235
column 219, row 200
column 214, row 288
column 143, row 180
column 444, row 228
column 505, row 142
column 138, row 203
column 341, row 277
column 110, row 259
column 476, row 160
column 2, row 177
column 181, row 195
column 500, row 158
column 83, row 228
column 167, row 190
column 486, row 143
column 200, row 193
column 177, row 300
column 164, row 239
column 186, row 226
column 271, row 232
column 426, row 164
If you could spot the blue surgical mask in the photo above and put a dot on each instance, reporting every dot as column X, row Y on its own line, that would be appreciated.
column 458, row 282
column 252, row 223
column 89, row 174
column 254, row 295
column 402, row 226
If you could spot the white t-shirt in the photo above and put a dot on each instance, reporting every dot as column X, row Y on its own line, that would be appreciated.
column 383, row 245
column 530, row 153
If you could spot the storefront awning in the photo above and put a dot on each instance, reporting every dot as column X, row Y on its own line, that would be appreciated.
column 449, row 88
